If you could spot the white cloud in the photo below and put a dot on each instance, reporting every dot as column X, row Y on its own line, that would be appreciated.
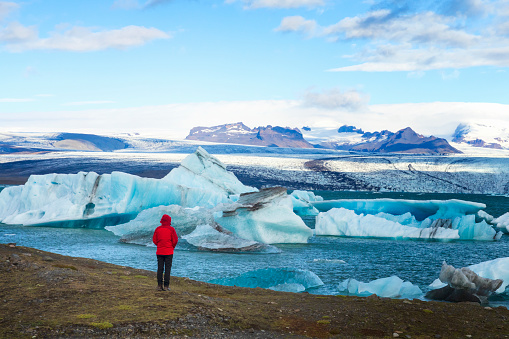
column 297, row 24
column 80, row 39
column 255, row 4
column 15, row 33
column 335, row 99
column 6, row 8
column 421, row 28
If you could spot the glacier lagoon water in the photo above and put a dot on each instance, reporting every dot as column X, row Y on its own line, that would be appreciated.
column 332, row 259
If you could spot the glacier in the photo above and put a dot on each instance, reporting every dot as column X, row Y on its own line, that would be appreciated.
column 390, row 287
column 350, row 223
column 278, row 279
column 266, row 216
column 201, row 180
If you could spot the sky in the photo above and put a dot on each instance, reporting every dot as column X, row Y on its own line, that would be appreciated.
column 161, row 67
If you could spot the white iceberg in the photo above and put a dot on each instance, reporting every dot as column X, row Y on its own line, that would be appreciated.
column 217, row 239
column 202, row 180
column 344, row 222
column 502, row 222
column 140, row 230
column 390, row 287
column 267, row 217
column 279, row 279
column 302, row 202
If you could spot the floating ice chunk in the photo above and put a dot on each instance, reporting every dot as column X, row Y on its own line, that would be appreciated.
column 266, row 216
column 205, row 172
column 502, row 222
column 280, row 279
column 390, row 287
column 302, row 202
column 329, row 261
column 202, row 180
column 492, row 269
column 485, row 216
column 217, row 239
column 343, row 222
column 140, row 230
column 463, row 285
column 420, row 209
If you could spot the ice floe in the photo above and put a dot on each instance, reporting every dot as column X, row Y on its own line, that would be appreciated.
column 279, row 279
column 390, row 287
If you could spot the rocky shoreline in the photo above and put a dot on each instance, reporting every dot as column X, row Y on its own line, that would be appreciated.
column 46, row 295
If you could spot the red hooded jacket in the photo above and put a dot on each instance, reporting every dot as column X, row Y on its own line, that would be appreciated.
column 165, row 237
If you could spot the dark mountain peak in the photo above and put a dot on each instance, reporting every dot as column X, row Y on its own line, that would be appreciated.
column 238, row 133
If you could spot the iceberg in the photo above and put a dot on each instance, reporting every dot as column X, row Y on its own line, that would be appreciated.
column 420, row 209
column 502, row 222
column 217, row 239
column 278, row 279
column 390, row 287
column 201, row 180
column 344, row 222
column 140, row 230
column 463, row 284
column 266, row 216
column 492, row 269
column 302, row 202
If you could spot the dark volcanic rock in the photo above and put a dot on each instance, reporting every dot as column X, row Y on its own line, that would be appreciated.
column 239, row 133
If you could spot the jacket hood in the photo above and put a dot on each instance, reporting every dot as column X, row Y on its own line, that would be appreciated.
column 166, row 220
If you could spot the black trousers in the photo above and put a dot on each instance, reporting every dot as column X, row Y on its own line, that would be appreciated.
column 164, row 265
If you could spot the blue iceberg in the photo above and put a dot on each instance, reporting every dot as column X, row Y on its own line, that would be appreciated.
column 420, row 209
column 303, row 202
column 390, row 287
column 201, row 180
column 345, row 222
column 278, row 279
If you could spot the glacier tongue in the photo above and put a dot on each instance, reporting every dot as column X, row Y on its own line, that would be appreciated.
column 266, row 216
column 202, row 180
column 279, row 279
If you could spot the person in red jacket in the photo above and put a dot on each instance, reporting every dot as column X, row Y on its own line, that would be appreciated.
column 165, row 238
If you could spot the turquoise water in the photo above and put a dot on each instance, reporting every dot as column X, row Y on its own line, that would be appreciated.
column 333, row 259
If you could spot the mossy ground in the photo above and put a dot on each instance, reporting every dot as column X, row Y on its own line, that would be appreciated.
column 48, row 295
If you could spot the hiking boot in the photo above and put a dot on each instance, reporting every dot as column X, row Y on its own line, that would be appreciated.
column 166, row 288
column 160, row 287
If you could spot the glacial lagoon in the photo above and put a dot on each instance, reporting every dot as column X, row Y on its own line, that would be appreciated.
column 333, row 259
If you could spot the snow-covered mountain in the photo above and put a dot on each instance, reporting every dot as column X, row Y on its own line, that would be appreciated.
column 480, row 135
column 403, row 141
column 238, row 133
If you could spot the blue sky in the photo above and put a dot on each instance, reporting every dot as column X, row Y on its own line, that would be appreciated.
column 156, row 65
